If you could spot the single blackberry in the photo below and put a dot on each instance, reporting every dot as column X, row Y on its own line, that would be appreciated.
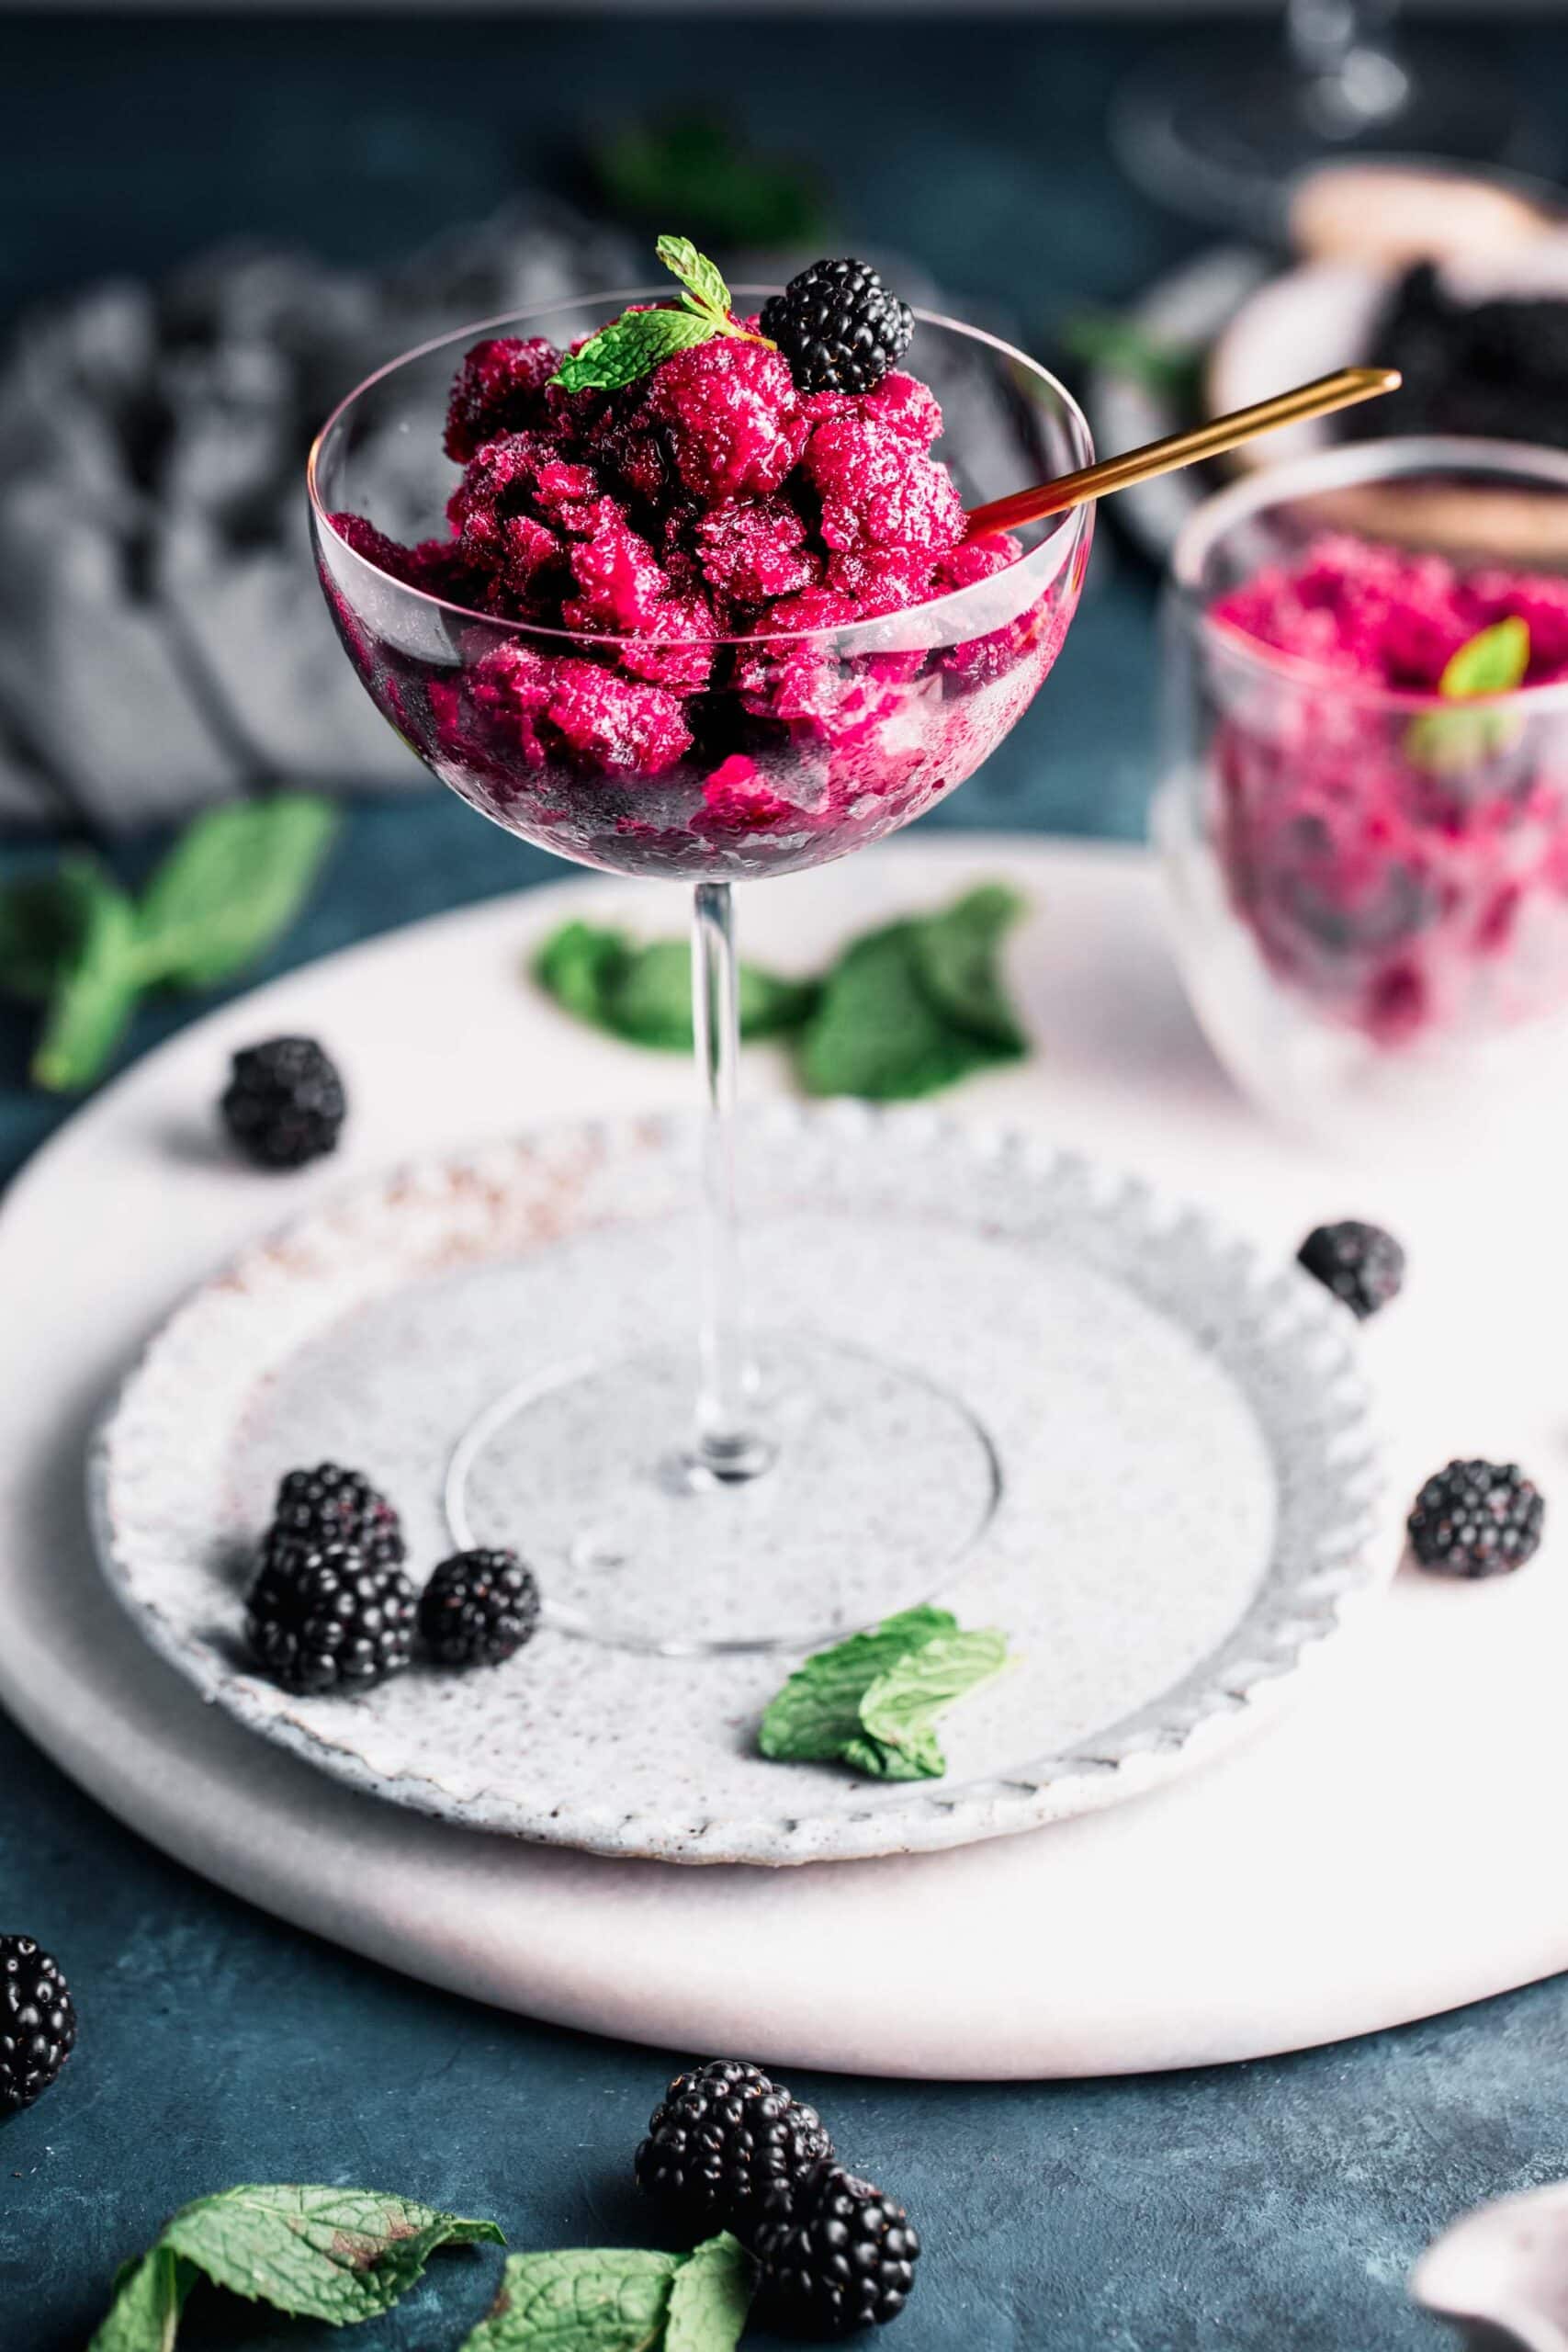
column 320, row 1617
column 329, row 1505
column 721, row 2141
column 479, row 1609
column 284, row 1103
column 837, row 2254
column 1476, row 1519
column 839, row 327
column 1360, row 1263
column 38, row 2022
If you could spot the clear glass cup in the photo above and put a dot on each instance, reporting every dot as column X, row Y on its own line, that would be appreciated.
column 778, row 1457
column 1370, row 888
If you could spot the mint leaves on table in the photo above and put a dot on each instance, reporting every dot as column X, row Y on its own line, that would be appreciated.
column 644, row 993
column 339, row 2254
column 78, row 943
column 870, row 1701
column 617, row 2299
column 690, row 166
column 1123, row 347
column 906, row 1009
column 634, row 344
column 1494, row 661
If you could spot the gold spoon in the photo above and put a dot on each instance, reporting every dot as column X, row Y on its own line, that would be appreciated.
column 1320, row 397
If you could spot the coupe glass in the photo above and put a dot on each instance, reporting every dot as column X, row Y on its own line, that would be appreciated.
column 1370, row 886
column 752, row 1491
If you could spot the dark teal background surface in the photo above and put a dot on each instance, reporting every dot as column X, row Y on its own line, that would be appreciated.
column 1239, row 2210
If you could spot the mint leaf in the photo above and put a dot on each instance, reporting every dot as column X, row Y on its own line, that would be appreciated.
column 709, row 2298
column 896, row 1712
column 1124, row 349
column 43, row 918
column 818, row 1711
column 629, row 348
column 150, row 2295
column 96, row 984
column 706, row 292
column 332, row 2254
column 233, row 884
column 644, row 994
column 876, row 1033
column 956, row 958
column 606, row 2300
column 690, row 166
column 1493, row 661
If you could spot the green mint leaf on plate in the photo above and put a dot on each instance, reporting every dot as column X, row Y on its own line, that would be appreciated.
column 818, row 1711
column 709, row 2297
column 643, row 994
column 955, row 955
column 229, row 888
column 338, row 2254
column 148, row 2297
column 917, row 1006
column 897, row 1711
column 606, row 2300
column 706, row 292
column 630, row 346
column 96, row 984
column 1494, row 661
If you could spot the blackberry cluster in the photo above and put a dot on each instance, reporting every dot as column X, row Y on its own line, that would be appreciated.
column 284, row 1104
column 38, row 2022
column 322, row 1617
column 479, row 1609
column 837, row 2254
column 329, row 1505
column 1362, row 1264
column 1495, row 369
column 1476, row 1519
column 722, row 2140
column 839, row 327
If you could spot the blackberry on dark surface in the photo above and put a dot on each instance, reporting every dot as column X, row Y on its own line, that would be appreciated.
column 284, row 1104
column 322, row 1617
column 1362, row 1264
column 1476, row 1519
column 1495, row 369
column 479, row 1609
column 839, row 327
column 837, row 2254
column 38, row 2022
column 331, row 1505
column 722, row 2141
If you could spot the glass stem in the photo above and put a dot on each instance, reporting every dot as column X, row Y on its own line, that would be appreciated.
column 726, row 1446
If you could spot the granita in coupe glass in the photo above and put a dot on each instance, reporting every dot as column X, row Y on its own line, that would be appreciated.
column 676, row 587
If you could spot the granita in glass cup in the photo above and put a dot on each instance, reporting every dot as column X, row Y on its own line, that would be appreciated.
column 1365, row 807
column 718, row 620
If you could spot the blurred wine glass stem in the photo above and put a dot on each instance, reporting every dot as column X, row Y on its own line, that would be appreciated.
column 1351, row 77
column 725, row 1446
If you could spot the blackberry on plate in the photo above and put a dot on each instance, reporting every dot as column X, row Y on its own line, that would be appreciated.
column 722, row 2141
column 1362, row 1264
column 285, row 1104
column 479, row 1609
column 38, row 2022
column 322, row 1617
column 839, row 327
column 331, row 1505
column 837, row 2254
column 1476, row 1519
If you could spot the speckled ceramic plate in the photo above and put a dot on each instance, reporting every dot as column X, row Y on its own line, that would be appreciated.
column 1187, row 1469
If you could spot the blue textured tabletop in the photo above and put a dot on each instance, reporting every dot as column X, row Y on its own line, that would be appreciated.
column 1274, row 2204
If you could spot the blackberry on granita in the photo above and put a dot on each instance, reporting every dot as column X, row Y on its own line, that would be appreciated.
column 331, row 1505
column 1476, row 1519
column 322, row 1617
column 38, row 2022
column 723, row 2139
column 837, row 2254
column 838, row 326
column 1362, row 1264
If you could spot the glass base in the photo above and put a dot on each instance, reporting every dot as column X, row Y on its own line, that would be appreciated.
column 868, row 1484
column 1222, row 129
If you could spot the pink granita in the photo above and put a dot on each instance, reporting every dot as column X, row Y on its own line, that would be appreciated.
column 736, row 800
column 901, row 404
column 499, row 389
column 1401, row 868
column 617, row 724
column 733, row 417
column 620, row 584
column 678, row 651
column 879, row 491
column 751, row 551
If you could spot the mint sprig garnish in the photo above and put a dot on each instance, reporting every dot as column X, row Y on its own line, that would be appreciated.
column 1494, row 661
column 338, row 2254
column 872, row 1702
column 636, row 342
column 620, row 2298
column 75, row 941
